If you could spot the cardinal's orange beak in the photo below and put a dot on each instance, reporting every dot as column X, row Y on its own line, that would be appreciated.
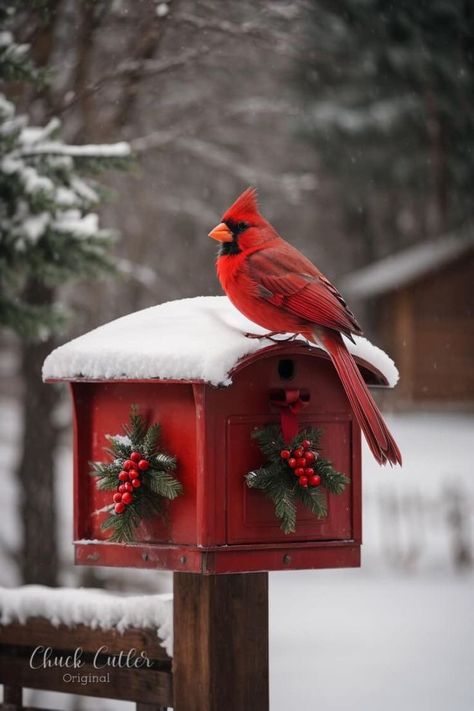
column 221, row 233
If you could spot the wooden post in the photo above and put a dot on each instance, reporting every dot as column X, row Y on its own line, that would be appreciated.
column 220, row 660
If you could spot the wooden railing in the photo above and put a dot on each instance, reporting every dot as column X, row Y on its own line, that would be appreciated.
column 220, row 658
column 25, row 664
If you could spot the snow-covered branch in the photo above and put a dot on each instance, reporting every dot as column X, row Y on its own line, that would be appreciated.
column 110, row 150
column 140, row 273
column 380, row 115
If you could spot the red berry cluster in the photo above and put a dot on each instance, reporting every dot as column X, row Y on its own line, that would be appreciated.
column 302, row 461
column 129, row 479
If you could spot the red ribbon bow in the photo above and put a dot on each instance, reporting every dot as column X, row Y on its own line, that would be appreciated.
column 290, row 402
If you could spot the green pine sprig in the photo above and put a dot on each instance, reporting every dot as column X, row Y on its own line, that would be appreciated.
column 136, row 430
column 158, row 482
column 277, row 485
column 278, row 482
column 124, row 525
column 163, row 484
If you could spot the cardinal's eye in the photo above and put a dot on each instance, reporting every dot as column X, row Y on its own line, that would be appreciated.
column 241, row 226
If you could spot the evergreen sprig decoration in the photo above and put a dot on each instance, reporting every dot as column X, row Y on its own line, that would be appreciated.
column 140, row 474
column 293, row 473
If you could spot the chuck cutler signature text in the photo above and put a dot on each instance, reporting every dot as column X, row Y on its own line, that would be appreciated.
column 46, row 658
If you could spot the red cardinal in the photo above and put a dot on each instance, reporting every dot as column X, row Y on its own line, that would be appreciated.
column 274, row 285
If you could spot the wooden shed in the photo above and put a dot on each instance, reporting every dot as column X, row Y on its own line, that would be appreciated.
column 422, row 307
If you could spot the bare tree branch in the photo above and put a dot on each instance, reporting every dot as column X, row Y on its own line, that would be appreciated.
column 157, row 66
column 253, row 106
column 144, row 68
column 157, row 139
column 89, row 23
column 217, row 25
column 195, row 208
column 278, row 42
column 143, row 48
column 292, row 184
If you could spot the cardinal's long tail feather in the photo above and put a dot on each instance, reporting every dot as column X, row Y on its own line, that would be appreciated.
column 381, row 443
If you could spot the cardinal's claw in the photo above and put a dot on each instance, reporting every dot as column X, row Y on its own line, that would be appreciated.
column 268, row 336
column 293, row 337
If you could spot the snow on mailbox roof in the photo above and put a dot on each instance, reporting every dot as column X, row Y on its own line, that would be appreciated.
column 202, row 339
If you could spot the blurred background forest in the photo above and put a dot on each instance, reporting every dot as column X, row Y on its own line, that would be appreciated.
column 354, row 120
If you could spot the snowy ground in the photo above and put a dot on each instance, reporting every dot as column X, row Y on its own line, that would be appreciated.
column 396, row 634
column 341, row 640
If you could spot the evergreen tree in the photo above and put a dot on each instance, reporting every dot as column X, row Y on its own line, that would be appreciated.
column 49, row 232
column 391, row 86
column 49, row 235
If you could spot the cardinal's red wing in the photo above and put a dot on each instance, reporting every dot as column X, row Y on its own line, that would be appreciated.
column 288, row 280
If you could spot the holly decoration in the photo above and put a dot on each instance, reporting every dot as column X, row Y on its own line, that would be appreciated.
column 139, row 474
column 294, row 472
column 302, row 460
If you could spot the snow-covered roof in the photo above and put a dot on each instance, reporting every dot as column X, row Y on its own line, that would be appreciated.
column 94, row 608
column 405, row 267
column 198, row 339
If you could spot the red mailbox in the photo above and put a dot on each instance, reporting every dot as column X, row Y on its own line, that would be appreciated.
column 190, row 366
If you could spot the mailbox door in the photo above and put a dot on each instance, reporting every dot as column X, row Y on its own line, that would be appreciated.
column 233, row 413
column 251, row 515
